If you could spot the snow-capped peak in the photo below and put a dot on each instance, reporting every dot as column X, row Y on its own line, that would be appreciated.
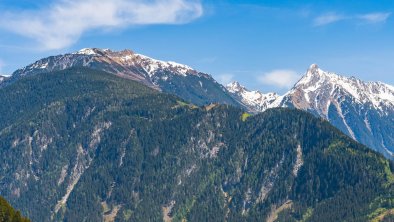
column 235, row 87
column 362, row 110
column 313, row 69
column 253, row 99
column 313, row 74
column 318, row 87
column 87, row 51
column 124, row 63
column 129, row 58
column 153, row 65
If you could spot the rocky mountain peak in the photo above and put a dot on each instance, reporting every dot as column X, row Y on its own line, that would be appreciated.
column 96, row 52
column 352, row 105
column 313, row 75
column 235, row 87
column 317, row 83
column 92, row 51
column 314, row 68
column 256, row 101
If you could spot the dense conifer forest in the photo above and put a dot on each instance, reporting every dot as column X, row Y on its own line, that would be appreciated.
column 84, row 145
column 9, row 214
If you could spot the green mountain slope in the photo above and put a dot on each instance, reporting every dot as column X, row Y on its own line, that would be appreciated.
column 169, row 77
column 9, row 214
column 84, row 145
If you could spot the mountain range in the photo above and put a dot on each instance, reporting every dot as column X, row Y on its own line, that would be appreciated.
column 87, row 145
column 362, row 110
column 99, row 135
column 169, row 77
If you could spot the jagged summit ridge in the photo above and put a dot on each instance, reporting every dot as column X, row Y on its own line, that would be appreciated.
column 318, row 88
column 235, row 87
column 129, row 57
column 362, row 110
column 89, row 51
column 314, row 70
column 255, row 100
column 124, row 58
column 167, row 76
column 317, row 82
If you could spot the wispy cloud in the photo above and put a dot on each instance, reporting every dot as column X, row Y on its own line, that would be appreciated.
column 328, row 19
column 332, row 17
column 62, row 23
column 225, row 79
column 375, row 17
column 282, row 78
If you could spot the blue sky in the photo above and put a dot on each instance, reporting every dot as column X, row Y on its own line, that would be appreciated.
column 266, row 45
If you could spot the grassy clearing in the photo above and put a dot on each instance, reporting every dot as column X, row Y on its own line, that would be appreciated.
column 245, row 116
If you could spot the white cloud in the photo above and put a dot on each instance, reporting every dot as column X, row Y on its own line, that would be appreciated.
column 225, row 79
column 65, row 21
column 375, row 17
column 371, row 18
column 328, row 19
column 280, row 78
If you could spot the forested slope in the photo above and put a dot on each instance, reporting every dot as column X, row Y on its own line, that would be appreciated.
column 9, row 214
column 84, row 145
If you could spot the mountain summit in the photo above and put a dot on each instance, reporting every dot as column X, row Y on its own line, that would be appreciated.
column 320, row 88
column 170, row 77
column 124, row 63
column 256, row 101
column 362, row 110
column 313, row 69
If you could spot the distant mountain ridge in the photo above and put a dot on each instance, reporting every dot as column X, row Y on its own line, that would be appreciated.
column 169, row 77
column 256, row 101
column 362, row 110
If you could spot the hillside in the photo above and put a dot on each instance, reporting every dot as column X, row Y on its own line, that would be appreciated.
column 85, row 145
column 9, row 214
column 362, row 110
